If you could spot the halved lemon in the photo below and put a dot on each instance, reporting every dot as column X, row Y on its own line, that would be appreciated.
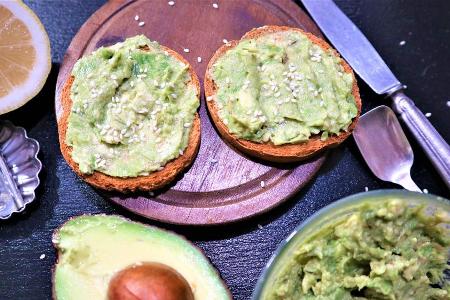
column 25, row 59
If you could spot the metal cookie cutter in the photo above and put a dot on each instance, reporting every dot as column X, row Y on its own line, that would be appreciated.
column 19, row 169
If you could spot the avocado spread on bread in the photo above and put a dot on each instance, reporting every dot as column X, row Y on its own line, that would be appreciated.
column 132, row 109
column 283, row 88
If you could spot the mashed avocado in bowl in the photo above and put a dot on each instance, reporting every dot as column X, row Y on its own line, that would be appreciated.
column 377, row 245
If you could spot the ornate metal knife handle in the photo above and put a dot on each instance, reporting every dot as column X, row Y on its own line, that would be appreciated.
column 434, row 145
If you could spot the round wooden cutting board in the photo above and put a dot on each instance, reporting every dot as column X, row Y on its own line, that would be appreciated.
column 222, row 185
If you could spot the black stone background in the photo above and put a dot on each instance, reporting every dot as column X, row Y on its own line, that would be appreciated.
column 238, row 251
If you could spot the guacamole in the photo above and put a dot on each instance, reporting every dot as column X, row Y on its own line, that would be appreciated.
column 132, row 109
column 386, row 250
column 283, row 88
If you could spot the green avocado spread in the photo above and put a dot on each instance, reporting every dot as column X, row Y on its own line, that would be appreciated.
column 283, row 88
column 387, row 250
column 133, row 108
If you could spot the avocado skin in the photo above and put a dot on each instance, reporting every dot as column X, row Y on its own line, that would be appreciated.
column 217, row 286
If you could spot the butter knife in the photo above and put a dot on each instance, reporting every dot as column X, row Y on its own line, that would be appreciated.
column 368, row 64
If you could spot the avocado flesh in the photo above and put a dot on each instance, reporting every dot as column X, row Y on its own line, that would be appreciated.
column 93, row 248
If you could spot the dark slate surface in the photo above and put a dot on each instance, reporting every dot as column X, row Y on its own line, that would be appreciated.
column 239, row 251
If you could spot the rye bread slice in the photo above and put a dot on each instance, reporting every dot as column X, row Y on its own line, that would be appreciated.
column 269, row 151
column 150, row 182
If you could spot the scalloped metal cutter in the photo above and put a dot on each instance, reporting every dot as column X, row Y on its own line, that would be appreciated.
column 19, row 169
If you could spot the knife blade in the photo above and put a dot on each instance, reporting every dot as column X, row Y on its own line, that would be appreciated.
column 352, row 45
column 368, row 64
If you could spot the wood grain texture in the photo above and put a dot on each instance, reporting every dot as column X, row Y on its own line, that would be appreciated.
column 222, row 185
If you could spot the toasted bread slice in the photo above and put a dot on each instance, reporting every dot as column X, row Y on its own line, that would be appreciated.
column 150, row 182
column 269, row 151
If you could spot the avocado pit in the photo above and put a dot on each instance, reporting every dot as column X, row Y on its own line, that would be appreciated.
column 149, row 281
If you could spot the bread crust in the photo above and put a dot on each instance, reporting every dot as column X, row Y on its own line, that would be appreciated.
column 268, row 151
column 150, row 182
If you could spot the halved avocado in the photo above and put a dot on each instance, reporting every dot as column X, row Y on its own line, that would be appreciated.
column 93, row 248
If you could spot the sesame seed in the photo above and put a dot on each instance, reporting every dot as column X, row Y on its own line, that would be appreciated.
column 113, row 77
column 225, row 41
column 174, row 96
column 171, row 3
column 227, row 80
column 142, row 23
column 42, row 256
column 181, row 152
column 262, row 183
column 209, row 98
column 448, row 103
column 186, row 125
column 151, row 194
column 402, row 43
column 260, row 226
column 425, row 191
column 366, row 189
column 428, row 114
column 199, row 59
column 136, row 18
column 215, row 5
column 186, row 50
